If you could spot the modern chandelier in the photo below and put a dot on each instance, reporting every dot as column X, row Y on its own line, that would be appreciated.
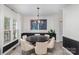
column 38, row 14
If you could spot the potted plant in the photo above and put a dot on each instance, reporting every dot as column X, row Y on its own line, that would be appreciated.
column 51, row 33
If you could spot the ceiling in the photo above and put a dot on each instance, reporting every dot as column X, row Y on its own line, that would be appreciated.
column 31, row 9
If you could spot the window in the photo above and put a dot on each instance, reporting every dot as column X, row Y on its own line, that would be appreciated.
column 7, row 32
column 14, row 29
column 39, row 24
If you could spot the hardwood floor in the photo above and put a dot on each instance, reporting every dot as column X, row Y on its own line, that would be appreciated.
column 58, row 50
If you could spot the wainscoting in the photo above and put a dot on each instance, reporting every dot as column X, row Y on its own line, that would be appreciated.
column 71, row 45
column 7, row 47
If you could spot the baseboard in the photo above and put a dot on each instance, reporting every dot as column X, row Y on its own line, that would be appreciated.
column 67, row 51
column 71, row 44
column 10, row 49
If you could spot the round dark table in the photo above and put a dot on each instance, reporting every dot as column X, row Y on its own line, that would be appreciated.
column 39, row 38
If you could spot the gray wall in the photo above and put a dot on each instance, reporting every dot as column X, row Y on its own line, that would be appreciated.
column 71, row 22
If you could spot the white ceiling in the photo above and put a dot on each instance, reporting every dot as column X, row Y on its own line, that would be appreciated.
column 31, row 9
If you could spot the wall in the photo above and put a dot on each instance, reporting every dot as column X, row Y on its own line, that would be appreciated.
column 7, row 12
column 52, row 23
column 71, row 22
column 1, row 27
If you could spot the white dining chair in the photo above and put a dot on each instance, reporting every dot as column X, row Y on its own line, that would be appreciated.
column 41, row 48
column 26, row 46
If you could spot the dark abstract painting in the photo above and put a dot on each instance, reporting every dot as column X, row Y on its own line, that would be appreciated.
column 39, row 24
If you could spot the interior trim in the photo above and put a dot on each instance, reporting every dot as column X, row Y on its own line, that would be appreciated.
column 7, row 47
column 71, row 44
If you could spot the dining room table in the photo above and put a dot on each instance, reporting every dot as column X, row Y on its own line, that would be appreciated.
column 39, row 38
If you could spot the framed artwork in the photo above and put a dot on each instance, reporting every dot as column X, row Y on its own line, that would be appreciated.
column 34, row 25
column 43, row 25
column 39, row 24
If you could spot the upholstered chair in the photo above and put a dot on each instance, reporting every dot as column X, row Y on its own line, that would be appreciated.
column 51, row 43
column 47, row 35
column 37, row 34
column 41, row 48
column 24, row 36
column 26, row 47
